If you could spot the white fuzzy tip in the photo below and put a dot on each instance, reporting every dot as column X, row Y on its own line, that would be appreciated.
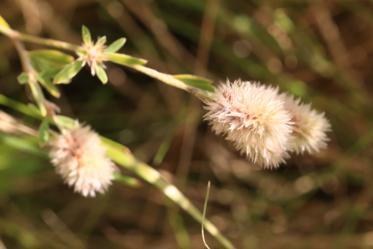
column 81, row 160
column 309, row 127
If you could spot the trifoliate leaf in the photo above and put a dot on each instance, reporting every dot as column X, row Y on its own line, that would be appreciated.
column 23, row 78
column 68, row 72
column 86, row 35
column 124, row 59
column 116, row 45
column 4, row 23
column 48, row 85
column 101, row 74
column 44, row 131
column 196, row 81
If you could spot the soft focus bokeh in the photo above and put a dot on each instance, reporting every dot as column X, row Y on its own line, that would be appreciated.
column 318, row 50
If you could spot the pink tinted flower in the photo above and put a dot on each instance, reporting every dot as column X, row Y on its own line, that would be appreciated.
column 309, row 126
column 81, row 160
column 253, row 118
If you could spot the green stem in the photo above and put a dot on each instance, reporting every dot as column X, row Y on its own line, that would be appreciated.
column 28, row 110
column 122, row 156
column 35, row 88
column 172, row 81
column 166, row 78
column 163, row 77
column 13, row 34
column 47, row 42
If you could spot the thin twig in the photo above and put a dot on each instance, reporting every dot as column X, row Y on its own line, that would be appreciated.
column 25, row 60
column 13, row 34
column 2, row 245
column 163, row 77
column 10, row 125
column 204, row 215
column 35, row 89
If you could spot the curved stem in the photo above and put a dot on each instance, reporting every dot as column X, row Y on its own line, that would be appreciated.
column 123, row 157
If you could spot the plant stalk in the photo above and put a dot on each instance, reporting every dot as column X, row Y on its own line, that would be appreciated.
column 13, row 34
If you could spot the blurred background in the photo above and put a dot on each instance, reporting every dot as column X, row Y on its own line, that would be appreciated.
column 318, row 50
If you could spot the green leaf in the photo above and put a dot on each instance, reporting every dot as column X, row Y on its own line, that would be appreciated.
column 101, row 74
column 101, row 41
column 24, row 144
column 4, row 23
column 124, row 59
column 48, row 59
column 38, row 96
column 86, row 35
column 65, row 122
column 162, row 151
column 68, row 72
column 116, row 45
column 44, row 131
column 23, row 78
column 126, row 180
column 48, row 85
column 29, row 109
column 47, row 63
column 196, row 81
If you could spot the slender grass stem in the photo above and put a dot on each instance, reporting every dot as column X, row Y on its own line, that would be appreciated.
column 163, row 77
column 13, row 34
column 123, row 157
column 204, row 215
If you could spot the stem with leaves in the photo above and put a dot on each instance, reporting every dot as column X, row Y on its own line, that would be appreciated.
column 121, row 155
column 57, row 67
column 196, row 85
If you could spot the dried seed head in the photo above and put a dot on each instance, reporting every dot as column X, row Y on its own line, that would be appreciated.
column 81, row 160
column 309, row 126
column 253, row 118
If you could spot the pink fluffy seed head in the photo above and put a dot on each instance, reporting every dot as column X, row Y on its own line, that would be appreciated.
column 251, row 116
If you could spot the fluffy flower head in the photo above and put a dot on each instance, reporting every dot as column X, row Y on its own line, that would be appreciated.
column 309, row 126
column 93, row 54
column 80, row 159
column 253, row 118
